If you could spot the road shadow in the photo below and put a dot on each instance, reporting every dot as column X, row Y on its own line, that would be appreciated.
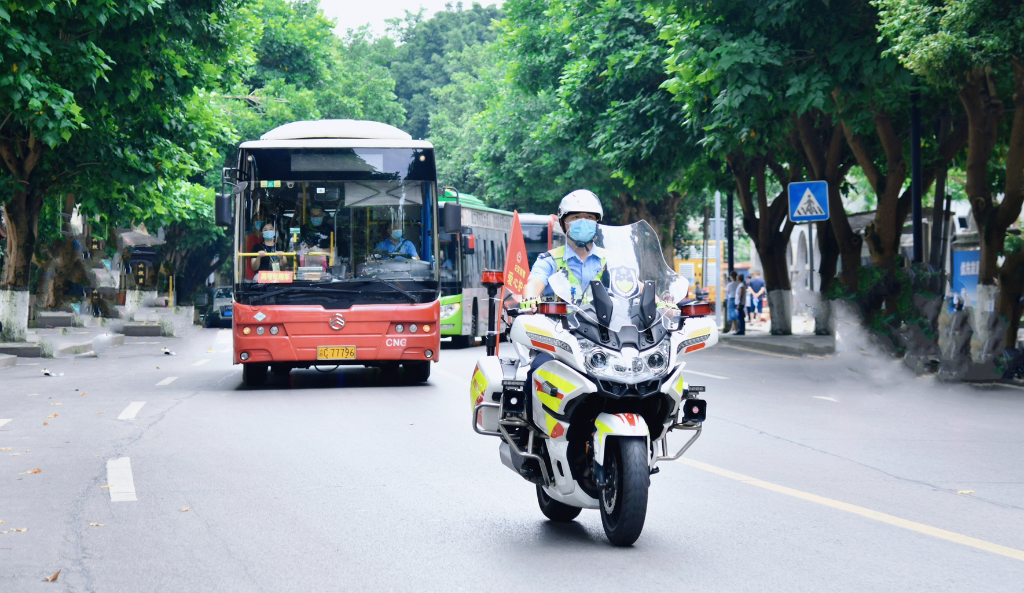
column 571, row 534
column 342, row 377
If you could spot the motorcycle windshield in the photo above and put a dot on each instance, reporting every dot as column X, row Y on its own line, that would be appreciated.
column 633, row 257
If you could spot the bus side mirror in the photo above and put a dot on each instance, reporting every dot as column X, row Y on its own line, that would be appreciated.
column 222, row 210
column 452, row 218
column 469, row 244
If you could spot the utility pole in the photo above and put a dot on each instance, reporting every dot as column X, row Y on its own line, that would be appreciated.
column 718, row 259
column 915, row 176
column 704, row 249
column 729, row 230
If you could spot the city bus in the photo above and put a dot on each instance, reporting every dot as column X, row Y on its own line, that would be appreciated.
column 480, row 245
column 540, row 233
column 335, row 250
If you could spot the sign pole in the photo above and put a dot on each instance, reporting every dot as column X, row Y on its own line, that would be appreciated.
column 810, row 254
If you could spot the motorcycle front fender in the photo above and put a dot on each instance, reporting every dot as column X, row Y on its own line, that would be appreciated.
column 618, row 425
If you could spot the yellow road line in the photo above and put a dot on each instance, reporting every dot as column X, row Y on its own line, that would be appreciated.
column 870, row 514
column 760, row 351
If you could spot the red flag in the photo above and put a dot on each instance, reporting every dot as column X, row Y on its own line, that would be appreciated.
column 517, row 266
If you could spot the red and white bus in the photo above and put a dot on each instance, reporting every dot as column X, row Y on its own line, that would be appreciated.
column 336, row 241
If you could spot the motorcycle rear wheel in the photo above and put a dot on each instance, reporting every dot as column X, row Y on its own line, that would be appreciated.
column 624, row 499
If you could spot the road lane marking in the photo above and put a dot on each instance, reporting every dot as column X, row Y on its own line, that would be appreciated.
column 166, row 381
column 200, row 363
column 864, row 512
column 688, row 372
column 119, row 478
column 760, row 351
column 825, row 397
column 4, row 421
column 130, row 412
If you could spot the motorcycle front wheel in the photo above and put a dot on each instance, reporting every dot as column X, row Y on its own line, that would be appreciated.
column 624, row 498
column 556, row 511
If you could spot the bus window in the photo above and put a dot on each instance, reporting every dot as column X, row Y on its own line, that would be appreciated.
column 535, row 236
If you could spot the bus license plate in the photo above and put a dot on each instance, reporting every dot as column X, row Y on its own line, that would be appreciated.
column 335, row 352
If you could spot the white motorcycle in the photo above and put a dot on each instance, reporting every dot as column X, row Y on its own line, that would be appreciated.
column 586, row 399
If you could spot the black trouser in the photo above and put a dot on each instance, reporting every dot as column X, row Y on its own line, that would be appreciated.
column 742, row 312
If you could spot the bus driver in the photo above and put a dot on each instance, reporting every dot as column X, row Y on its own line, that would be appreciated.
column 396, row 244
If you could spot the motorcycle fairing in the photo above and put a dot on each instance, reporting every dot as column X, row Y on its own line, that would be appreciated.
column 486, row 387
column 555, row 385
column 618, row 425
column 547, row 335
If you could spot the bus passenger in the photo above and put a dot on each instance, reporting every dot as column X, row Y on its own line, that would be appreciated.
column 263, row 261
column 316, row 234
column 251, row 241
column 396, row 244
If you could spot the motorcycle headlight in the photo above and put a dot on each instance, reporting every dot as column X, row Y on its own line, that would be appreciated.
column 629, row 366
column 450, row 310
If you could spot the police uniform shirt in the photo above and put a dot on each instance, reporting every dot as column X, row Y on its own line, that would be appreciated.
column 584, row 270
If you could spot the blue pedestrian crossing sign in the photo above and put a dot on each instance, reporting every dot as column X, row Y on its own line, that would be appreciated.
column 808, row 201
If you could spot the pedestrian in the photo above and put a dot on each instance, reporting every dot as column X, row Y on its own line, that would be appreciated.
column 741, row 301
column 757, row 287
column 730, row 303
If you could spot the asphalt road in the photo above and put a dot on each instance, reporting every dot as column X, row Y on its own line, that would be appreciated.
column 839, row 474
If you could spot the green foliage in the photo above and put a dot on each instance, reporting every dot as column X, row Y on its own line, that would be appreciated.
column 945, row 40
column 422, row 62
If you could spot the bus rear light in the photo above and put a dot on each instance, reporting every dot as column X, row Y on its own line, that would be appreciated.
column 429, row 354
column 274, row 330
column 244, row 355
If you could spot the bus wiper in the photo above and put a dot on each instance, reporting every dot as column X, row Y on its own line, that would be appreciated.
column 298, row 289
column 413, row 298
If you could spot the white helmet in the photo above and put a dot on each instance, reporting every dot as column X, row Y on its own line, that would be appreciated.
column 580, row 200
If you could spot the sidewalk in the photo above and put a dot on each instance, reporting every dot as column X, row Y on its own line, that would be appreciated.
column 802, row 342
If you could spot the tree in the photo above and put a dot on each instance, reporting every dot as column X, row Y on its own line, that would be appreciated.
column 975, row 48
column 420, row 64
column 97, row 87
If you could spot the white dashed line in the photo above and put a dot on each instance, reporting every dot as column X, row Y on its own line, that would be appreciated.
column 825, row 397
column 4, row 421
column 689, row 372
column 166, row 381
column 200, row 363
column 119, row 478
column 130, row 412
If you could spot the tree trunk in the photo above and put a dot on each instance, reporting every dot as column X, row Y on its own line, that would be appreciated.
column 1012, row 270
column 769, row 228
column 939, row 208
column 661, row 216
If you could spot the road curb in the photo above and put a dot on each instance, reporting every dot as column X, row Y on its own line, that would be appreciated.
column 789, row 345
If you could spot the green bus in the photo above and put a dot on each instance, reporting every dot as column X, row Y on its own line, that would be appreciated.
column 463, row 256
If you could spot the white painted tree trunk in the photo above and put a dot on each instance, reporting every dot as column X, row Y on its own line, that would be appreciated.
column 780, row 302
column 989, row 331
column 136, row 299
column 825, row 318
column 14, row 314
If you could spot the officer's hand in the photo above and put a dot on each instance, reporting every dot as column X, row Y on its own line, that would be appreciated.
column 528, row 306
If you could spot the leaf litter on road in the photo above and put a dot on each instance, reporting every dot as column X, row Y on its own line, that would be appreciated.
column 32, row 471
column 97, row 524
column 52, row 577
column 52, row 416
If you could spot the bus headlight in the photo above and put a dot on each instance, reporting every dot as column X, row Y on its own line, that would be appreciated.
column 412, row 328
column 260, row 330
column 399, row 328
column 450, row 310
column 274, row 330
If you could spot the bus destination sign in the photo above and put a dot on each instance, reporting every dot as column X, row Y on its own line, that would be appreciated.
column 274, row 277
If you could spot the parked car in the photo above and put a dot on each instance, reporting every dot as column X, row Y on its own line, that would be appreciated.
column 222, row 304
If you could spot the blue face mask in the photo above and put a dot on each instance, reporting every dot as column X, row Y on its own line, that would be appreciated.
column 269, row 235
column 316, row 220
column 582, row 231
column 396, row 235
column 258, row 224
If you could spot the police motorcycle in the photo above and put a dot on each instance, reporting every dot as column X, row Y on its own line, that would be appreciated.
column 585, row 401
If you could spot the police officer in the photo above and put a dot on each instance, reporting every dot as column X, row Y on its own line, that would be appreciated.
column 578, row 214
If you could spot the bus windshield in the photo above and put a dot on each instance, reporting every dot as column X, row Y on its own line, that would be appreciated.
column 337, row 228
